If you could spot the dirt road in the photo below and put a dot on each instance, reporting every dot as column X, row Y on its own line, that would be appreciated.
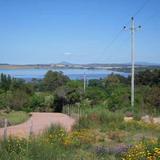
column 38, row 122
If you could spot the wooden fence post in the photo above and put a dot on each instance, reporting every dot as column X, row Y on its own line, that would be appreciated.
column 69, row 110
column 31, row 129
column 5, row 129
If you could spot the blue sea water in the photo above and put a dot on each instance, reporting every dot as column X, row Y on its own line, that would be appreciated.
column 73, row 74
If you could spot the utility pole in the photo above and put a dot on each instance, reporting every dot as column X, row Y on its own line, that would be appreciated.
column 84, row 82
column 132, row 30
column 132, row 59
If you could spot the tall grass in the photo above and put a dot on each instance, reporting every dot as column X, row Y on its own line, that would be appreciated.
column 49, row 146
column 99, row 117
column 97, row 127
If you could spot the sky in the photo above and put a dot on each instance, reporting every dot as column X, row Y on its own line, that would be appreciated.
column 77, row 31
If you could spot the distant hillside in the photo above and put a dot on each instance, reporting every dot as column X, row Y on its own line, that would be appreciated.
column 64, row 63
column 123, row 67
column 4, row 64
column 147, row 64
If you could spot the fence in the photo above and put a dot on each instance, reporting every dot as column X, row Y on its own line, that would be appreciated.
column 5, row 133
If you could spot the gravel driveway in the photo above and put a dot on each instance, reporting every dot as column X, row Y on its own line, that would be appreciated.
column 38, row 122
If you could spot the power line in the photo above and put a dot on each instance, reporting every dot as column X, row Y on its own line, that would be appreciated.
column 114, row 39
column 138, row 11
column 141, row 8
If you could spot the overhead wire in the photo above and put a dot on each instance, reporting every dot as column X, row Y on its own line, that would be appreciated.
column 141, row 8
column 116, row 37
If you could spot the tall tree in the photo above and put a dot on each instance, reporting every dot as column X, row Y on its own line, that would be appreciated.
column 53, row 80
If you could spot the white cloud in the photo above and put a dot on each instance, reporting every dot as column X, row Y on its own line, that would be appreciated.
column 67, row 53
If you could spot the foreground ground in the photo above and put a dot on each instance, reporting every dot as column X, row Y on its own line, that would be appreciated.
column 38, row 122
column 98, row 135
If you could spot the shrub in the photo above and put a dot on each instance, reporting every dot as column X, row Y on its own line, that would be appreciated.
column 117, row 136
column 54, row 135
column 96, row 95
column 101, row 117
column 76, row 138
column 14, row 145
column 147, row 149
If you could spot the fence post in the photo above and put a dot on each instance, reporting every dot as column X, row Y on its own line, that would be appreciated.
column 31, row 129
column 69, row 111
column 5, row 129
column 78, row 117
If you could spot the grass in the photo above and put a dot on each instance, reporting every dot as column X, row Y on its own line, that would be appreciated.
column 111, row 130
column 15, row 117
column 98, row 135
column 56, row 144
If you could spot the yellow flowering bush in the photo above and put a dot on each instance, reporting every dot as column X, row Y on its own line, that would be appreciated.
column 149, row 150
column 155, row 154
column 83, row 136
column 15, row 145
column 135, row 153
column 76, row 138
column 57, row 136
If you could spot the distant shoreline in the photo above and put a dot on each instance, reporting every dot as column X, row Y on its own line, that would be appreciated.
column 58, row 66
column 114, row 67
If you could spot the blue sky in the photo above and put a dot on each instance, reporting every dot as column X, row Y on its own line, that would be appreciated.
column 77, row 31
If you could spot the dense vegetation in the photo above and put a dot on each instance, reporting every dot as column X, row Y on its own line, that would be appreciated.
column 56, row 91
column 100, row 132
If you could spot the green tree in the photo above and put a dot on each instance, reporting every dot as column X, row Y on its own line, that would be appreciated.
column 5, row 81
column 96, row 83
column 17, row 100
column 152, row 97
column 148, row 77
column 96, row 95
column 112, row 81
column 53, row 80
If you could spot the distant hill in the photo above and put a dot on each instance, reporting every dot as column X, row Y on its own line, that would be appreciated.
column 64, row 63
column 147, row 64
column 2, row 64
